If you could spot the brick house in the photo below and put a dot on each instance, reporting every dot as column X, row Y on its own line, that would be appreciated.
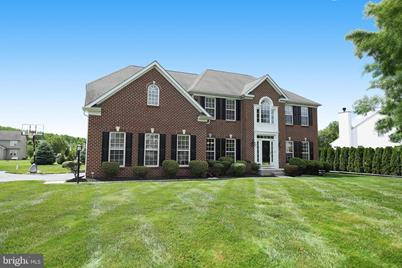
column 144, row 115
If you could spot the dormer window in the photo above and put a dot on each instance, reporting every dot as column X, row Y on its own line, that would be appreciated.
column 153, row 95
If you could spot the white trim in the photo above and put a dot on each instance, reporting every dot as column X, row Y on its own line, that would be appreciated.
column 145, row 149
column 220, row 96
column 226, row 148
column 271, row 82
column 189, row 148
column 124, row 148
column 157, row 88
column 206, row 151
column 138, row 74
column 226, row 109
column 97, row 111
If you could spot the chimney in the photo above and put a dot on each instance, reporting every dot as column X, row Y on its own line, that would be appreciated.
column 345, row 128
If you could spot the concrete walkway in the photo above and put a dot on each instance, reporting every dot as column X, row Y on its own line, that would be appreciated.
column 5, row 177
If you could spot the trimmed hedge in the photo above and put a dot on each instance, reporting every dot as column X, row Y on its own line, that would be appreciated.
column 198, row 168
column 292, row 170
column 140, row 171
column 170, row 167
column 110, row 169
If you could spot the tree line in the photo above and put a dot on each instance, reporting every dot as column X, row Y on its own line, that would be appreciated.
column 386, row 161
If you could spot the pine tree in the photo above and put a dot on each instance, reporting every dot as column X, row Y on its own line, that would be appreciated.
column 323, row 154
column 376, row 168
column 343, row 159
column 351, row 160
column 395, row 161
column 330, row 157
column 336, row 158
column 45, row 154
column 368, row 160
column 386, row 161
column 358, row 161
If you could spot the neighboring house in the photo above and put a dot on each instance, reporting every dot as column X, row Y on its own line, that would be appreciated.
column 144, row 115
column 361, row 133
column 13, row 145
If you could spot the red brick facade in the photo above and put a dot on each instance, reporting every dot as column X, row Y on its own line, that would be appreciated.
column 128, row 110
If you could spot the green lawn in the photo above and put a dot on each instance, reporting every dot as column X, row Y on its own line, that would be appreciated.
column 22, row 167
column 264, row 222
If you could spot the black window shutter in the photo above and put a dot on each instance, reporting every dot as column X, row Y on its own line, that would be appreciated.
column 217, row 148
column 105, row 146
column 129, row 146
column 193, row 153
column 297, row 149
column 173, row 147
column 238, row 150
column 141, row 139
column 311, row 151
column 202, row 101
column 162, row 148
column 238, row 110
column 218, row 108
column 310, row 116
column 223, row 147
column 223, row 109
column 296, row 115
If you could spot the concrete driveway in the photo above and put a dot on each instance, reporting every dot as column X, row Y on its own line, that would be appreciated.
column 5, row 177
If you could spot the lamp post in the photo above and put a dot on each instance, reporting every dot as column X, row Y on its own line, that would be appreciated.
column 79, row 147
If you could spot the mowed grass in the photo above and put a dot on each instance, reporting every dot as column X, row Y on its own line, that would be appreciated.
column 22, row 167
column 264, row 222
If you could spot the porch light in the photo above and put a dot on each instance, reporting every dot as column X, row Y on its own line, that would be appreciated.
column 183, row 131
column 117, row 128
column 152, row 130
column 230, row 136
column 210, row 135
column 289, row 138
column 305, row 139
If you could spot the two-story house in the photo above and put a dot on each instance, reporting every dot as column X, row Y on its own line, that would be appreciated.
column 13, row 145
column 144, row 115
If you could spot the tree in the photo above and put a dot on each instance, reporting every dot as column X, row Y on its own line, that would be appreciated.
column 330, row 157
column 337, row 154
column 343, row 159
column 57, row 142
column 377, row 160
column 351, row 160
column 395, row 161
column 328, row 134
column 358, row 161
column 368, row 160
column 323, row 154
column 385, row 48
column 386, row 161
column 44, row 154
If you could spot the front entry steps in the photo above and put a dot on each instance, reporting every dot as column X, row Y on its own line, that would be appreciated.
column 271, row 172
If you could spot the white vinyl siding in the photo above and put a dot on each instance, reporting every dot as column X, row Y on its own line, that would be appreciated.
column 210, row 149
column 231, row 149
column 117, row 147
column 13, row 143
column 210, row 106
column 151, row 150
column 183, row 150
column 153, row 95
column 289, row 115
column 230, row 110
column 304, row 116
column 306, row 150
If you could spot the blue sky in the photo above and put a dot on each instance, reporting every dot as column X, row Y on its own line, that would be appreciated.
column 49, row 50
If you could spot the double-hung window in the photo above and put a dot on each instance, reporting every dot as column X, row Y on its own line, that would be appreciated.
column 153, row 95
column 289, row 150
column 13, row 143
column 230, row 110
column 231, row 149
column 151, row 150
column 210, row 149
column 210, row 106
column 304, row 116
column 288, row 115
column 117, row 147
column 183, row 149
column 306, row 150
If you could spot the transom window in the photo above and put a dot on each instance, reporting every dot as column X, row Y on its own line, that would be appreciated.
column 183, row 149
column 210, row 149
column 117, row 147
column 289, row 115
column 153, row 95
column 230, row 110
column 151, row 153
column 289, row 150
column 210, row 106
column 304, row 116
column 306, row 150
column 231, row 148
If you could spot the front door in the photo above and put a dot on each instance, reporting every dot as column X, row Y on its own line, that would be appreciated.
column 266, row 152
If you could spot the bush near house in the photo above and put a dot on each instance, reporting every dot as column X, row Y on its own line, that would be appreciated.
column 110, row 169
column 238, row 169
column 377, row 160
column 292, row 170
column 368, row 160
column 336, row 158
column 198, row 168
column 330, row 156
column 358, row 161
column 386, row 161
column 140, row 171
column 170, row 167
column 344, row 159
column 351, row 160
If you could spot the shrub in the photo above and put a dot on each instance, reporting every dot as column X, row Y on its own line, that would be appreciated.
column 343, row 159
column 170, row 167
column 292, row 170
column 110, row 169
column 211, row 163
column 71, row 165
column 44, row 154
column 386, row 161
column 368, row 155
column 300, row 163
column 351, row 160
column 140, row 171
column 336, row 158
column 326, row 166
column 313, row 166
column 358, row 161
column 323, row 154
column 376, row 168
column 330, row 156
column 248, row 166
column 218, row 169
column 227, row 162
column 198, row 168
column 395, row 162
column 60, row 158
column 238, row 169
column 255, row 168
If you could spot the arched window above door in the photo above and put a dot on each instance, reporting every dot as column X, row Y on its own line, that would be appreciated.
column 265, row 111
